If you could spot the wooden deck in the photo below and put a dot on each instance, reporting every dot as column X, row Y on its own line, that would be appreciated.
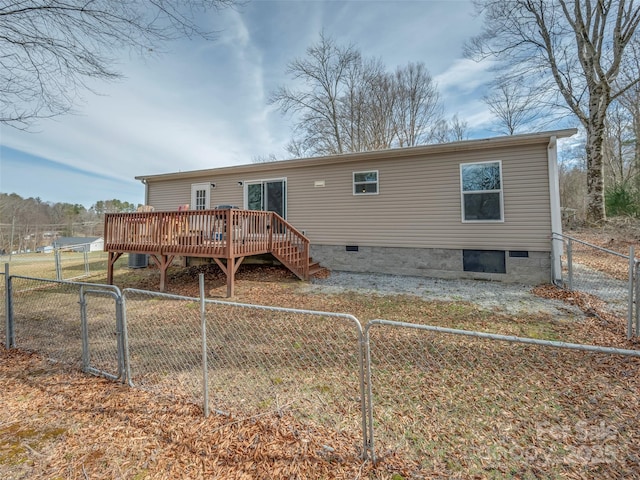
column 227, row 236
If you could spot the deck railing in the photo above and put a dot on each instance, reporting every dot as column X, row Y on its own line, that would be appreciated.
column 290, row 246
column 229, row 233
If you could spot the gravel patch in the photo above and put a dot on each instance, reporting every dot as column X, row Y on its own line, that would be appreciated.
column 496, row 296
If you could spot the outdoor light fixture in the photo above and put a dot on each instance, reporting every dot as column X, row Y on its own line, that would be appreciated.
column 240, row 184
column 213, row 185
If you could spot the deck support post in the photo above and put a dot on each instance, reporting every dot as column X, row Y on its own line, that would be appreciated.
column 163, row 262
column 230, row 270
column 112, row 258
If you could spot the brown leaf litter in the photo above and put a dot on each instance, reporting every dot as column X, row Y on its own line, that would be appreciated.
column 60, row 423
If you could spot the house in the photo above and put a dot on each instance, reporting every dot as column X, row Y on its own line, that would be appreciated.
column 478, row 209
column 79, row 244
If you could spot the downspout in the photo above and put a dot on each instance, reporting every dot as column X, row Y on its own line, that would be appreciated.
column 146, row 191
column 556, row 216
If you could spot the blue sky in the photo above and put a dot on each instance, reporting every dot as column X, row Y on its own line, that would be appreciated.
column 204, row 104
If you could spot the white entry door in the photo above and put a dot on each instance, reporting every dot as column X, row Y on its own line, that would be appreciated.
column 200, row 196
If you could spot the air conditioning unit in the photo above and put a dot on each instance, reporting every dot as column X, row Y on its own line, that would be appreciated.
column 138, row 260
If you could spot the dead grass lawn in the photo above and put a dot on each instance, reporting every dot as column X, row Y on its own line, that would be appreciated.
column 57, row 423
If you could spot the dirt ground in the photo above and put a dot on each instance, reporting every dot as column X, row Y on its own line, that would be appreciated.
column 61, row 424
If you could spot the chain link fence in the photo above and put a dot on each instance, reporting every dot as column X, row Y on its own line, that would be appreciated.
column 77, row 261
column 473, row 405
column 608, row 278
column 3, row 305
column 164, row 340
column 455, row 403
column 57, row 318
column 267, row 358
column 46, row 318
column 40, row 265
column 257, row 358
column 102, row 331
column 63, row 264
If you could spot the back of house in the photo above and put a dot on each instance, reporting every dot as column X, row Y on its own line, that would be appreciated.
column 482, row 209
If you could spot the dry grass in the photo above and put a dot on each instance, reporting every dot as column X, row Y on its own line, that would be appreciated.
column 444, row 406
column 43, row 265
column 485, row 409
column 57, row 423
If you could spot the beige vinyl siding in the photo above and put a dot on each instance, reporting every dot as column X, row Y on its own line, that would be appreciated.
column 418, row 204
column 169, row 195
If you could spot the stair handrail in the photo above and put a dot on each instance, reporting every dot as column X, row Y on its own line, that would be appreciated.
column 303, row 240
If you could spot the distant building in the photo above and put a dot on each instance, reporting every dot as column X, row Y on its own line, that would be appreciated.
column 80, row 244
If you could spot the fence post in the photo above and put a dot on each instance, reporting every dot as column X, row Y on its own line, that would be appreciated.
column 570, row 262
column 86, row 260
column 10, row 340
column 121, row 312
column 205, row 371
column 367, row 424
column 122, row 345
column 631, row 289
column 56, row 254
column 636, row 298
column 84, row 331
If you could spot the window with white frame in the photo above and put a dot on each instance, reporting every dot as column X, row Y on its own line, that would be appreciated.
column 481, row 185
column 201, row 199
column 365, row 183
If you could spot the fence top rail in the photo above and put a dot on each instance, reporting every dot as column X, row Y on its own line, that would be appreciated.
column 102, row 292
column 169, row 296
column 289, row 310
column 247, row 305
column 504, row 338
column 100, row 286
column 612, row 252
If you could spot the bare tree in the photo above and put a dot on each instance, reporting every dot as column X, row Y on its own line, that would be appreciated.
column 618, row 147
column 264, row 158
column 417, row 106
column 365, row 105
column 581, row 45
column 454, row 130
column 515, row 105
column 323, row 73
column 630, row 100
column 347, row 103
column 459, row 129
column 52, row 50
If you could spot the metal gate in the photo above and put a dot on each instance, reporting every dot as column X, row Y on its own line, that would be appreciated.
column 102, row 332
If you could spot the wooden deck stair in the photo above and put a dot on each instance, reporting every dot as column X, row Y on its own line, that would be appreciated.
column 315, row 268
column 227, row 236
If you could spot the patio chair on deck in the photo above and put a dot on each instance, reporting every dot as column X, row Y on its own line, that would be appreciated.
column 180, row 227
column 142, row 226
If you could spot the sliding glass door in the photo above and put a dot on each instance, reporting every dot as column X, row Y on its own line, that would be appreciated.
column 267, row 195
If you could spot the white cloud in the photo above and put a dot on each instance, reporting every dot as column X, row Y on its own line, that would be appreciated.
column 204, row 104
column 465, row 76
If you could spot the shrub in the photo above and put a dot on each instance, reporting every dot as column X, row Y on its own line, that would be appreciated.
column 622, row 200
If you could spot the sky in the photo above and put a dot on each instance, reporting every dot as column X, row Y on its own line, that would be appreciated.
column 204, row 104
